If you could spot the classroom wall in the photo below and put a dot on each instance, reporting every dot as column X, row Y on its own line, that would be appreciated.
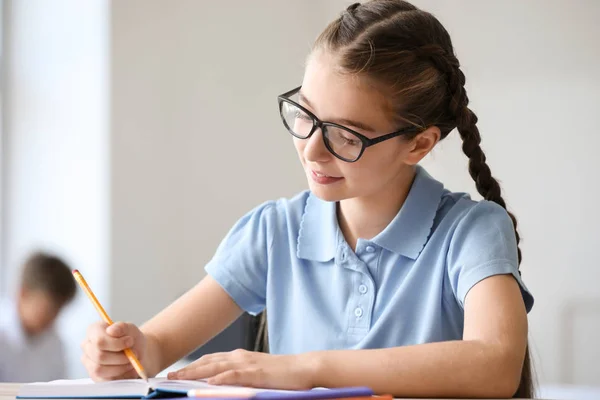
column 195, row 141
column 196, row 137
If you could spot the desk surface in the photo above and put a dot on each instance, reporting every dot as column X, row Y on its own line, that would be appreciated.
column 8, row 391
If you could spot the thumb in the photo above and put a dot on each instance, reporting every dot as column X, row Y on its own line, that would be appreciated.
column 120, row 329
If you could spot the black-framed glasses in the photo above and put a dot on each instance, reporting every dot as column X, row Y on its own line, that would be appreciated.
column 344, row 143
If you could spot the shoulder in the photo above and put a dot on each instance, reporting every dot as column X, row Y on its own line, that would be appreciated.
column 475, row 232
column 482, row 221
column 460, row 215
column 266, row 221
column 278, row 212
column 480, row 235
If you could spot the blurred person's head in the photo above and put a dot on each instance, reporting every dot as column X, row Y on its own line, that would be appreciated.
column 47, row 285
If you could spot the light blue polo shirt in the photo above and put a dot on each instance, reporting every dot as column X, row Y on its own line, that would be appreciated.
column 405, row 286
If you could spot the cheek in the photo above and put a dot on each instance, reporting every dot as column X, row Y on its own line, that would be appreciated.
column 377, row 164
column 40, row 315
column 300, row 144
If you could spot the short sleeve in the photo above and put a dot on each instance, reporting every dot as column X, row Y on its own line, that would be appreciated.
column 240, row 264
column 483, row 244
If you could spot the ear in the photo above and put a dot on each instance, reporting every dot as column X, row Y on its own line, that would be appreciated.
column 422, row 144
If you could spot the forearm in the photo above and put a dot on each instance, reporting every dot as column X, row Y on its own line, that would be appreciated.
column 153, row 358
column 444, row 369
column 188, row 323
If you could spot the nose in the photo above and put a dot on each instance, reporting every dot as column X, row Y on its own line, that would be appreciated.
column 315, row 150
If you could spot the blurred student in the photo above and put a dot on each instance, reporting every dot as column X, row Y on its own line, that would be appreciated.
column 30, row 348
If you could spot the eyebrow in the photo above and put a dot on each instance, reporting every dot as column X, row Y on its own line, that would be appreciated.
column 341, row 121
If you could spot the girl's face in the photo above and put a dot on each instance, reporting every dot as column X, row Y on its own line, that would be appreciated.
column 349, row 101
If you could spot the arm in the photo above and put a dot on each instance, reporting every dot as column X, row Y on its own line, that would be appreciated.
column 189, row 322
column 237, row 271
column 486, row 363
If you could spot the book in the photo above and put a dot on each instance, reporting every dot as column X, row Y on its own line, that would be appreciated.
column 165, row 388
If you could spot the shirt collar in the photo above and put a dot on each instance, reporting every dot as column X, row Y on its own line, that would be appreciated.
column 407, row 234
column 317, row 237
column 409, row 231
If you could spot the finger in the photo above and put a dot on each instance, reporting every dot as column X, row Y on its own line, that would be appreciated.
column 96, row 330
column 238, row 356
column 99, row 372
column 249, row 377
column 208, row 358
column 130, row 375
column 108, row 343
column 118, row 373
column 204, row 360
column 119, row 329
column 104, row 357
column 194, row 371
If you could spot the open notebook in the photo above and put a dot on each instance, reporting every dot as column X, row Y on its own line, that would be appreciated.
column 164, row 388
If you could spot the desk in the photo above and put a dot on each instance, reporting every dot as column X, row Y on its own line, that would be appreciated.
column 8, row 391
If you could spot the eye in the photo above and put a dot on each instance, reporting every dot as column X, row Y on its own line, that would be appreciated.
column 351, row 141
column 300, row 115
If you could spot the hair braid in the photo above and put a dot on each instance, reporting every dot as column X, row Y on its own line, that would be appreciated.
column 466, row 124
column 487, row 185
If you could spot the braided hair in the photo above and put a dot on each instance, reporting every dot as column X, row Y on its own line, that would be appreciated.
column 409, row 54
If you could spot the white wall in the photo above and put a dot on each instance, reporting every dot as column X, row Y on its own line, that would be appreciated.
column 196, row 135
column 56, row 132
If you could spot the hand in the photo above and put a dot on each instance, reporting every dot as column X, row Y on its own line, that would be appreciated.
column 253, row 369
column 103, row 355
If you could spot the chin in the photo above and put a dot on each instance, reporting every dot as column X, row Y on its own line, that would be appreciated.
column 327, row 193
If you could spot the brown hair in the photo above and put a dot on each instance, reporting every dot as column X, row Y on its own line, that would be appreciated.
column 408, row 53
column 48, row 273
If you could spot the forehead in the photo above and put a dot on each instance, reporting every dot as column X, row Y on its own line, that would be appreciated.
column 335, row 95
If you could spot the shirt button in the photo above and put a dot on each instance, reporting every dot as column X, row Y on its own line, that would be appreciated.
column 362, row 289
column 358, row 312
column 370, row 249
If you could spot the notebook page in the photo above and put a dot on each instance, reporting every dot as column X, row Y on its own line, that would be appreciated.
column 128, row 388
column 184, row 386
column 78, row 388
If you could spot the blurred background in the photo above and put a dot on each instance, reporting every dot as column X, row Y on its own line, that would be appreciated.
column 136, row 132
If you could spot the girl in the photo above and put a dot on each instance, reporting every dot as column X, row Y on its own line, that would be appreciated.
column 377, row 275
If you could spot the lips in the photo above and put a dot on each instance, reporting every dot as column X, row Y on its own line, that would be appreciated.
column 323, row 175
column 322, row 178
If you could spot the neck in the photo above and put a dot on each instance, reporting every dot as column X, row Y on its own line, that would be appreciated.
column 365, row 217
